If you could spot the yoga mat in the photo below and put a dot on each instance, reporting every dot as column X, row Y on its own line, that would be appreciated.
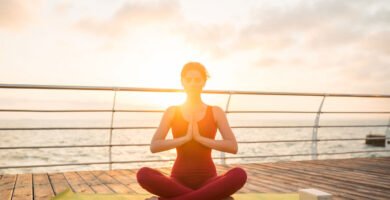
column 69, row 195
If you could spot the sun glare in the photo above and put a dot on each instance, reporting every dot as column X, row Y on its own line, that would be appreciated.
column 160, row 60
column 166, row 100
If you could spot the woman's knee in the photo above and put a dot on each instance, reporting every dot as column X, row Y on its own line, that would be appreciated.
column 240, row 175
column 142, row 174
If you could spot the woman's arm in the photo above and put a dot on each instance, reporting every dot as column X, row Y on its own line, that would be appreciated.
column 228, row 144
column 159, row 143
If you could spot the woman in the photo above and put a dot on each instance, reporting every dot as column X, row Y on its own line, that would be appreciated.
column 194, row 125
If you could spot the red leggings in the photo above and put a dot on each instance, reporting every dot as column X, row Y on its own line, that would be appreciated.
column 167, row 188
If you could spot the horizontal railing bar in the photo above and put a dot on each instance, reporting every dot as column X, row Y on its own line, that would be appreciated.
column 29, row 110
column 354, row 152
column 72, row 146
column 153, row 127
column 52, row 165
column 318, row 140
column 88, row 163
column 160, row 111
column 75, row 128
column 167, row 160
column 83, row 110
column 136, row 89
column 240, row 142
column 330, row 112
column 307, row 154
column 325, row 126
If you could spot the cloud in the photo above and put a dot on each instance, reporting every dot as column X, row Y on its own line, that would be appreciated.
column 320, row 32
column 212, row 39
column 63, row 7
column 275, row 61
column 302, row 29
column 16, row 14
column 161, row 16
column 347, row 40
column 132, row 16
column 315, row 24
column 378, row 42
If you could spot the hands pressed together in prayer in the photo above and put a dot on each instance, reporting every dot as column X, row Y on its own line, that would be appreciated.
column 193, row 130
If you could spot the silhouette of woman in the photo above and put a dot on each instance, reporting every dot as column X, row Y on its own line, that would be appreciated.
column 194, row 125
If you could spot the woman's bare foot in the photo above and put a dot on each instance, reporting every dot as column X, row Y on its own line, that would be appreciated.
column 152, row 198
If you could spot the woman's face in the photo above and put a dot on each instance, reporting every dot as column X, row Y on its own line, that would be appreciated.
column 193, row 81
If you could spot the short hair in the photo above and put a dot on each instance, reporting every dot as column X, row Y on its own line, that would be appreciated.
column 195, row 66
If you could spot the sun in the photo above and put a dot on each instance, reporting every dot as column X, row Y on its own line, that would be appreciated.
column 159, row 62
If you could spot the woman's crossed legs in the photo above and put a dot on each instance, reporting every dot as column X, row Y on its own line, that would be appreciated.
column 167, row 188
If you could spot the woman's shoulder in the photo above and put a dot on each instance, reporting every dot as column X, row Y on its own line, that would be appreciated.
column 171, row 109
column 217, row 113
column 217, row 109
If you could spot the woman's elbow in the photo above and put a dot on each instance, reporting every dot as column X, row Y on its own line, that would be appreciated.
column 153, row 148
column 234, row 150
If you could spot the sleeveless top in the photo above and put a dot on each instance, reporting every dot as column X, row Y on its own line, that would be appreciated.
column 193, row 165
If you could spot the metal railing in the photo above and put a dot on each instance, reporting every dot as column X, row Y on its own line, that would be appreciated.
column 314, row 148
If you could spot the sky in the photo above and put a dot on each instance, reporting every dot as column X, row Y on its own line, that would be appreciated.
column 328, row 46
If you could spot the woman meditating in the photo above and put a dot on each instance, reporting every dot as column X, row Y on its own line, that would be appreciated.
column 194, row 125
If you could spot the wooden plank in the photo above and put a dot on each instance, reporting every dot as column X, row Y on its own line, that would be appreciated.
column 328, row 183
column 284, row 178
column 249, row 187
column 23, row 188
column 59, row 182
column 363, row 179
column 355, row 176
column 356, row 165
column 134, row 185
column 269, row 180
column 94, row 183
column 264, row 184
column 42, row 187
column 77, row 183
column 111, row 182
column 121, row 178
column 303, row 182
column 7, row 184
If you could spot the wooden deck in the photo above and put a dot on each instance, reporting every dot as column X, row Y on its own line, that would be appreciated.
column 357, row 178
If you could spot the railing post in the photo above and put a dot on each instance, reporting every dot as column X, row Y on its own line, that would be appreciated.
column 111, row 128
column 387, row 135
column 314, row 145
column 223, row 157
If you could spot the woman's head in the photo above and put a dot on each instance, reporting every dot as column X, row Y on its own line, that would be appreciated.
column 195, row 66
column 194, row 76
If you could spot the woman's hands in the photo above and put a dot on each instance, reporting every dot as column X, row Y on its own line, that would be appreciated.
column 188, row 136
column 192, row 130
column 228, row 144
column 195, row 130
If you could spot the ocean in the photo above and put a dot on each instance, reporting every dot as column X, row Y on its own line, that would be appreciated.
column 143, row 136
